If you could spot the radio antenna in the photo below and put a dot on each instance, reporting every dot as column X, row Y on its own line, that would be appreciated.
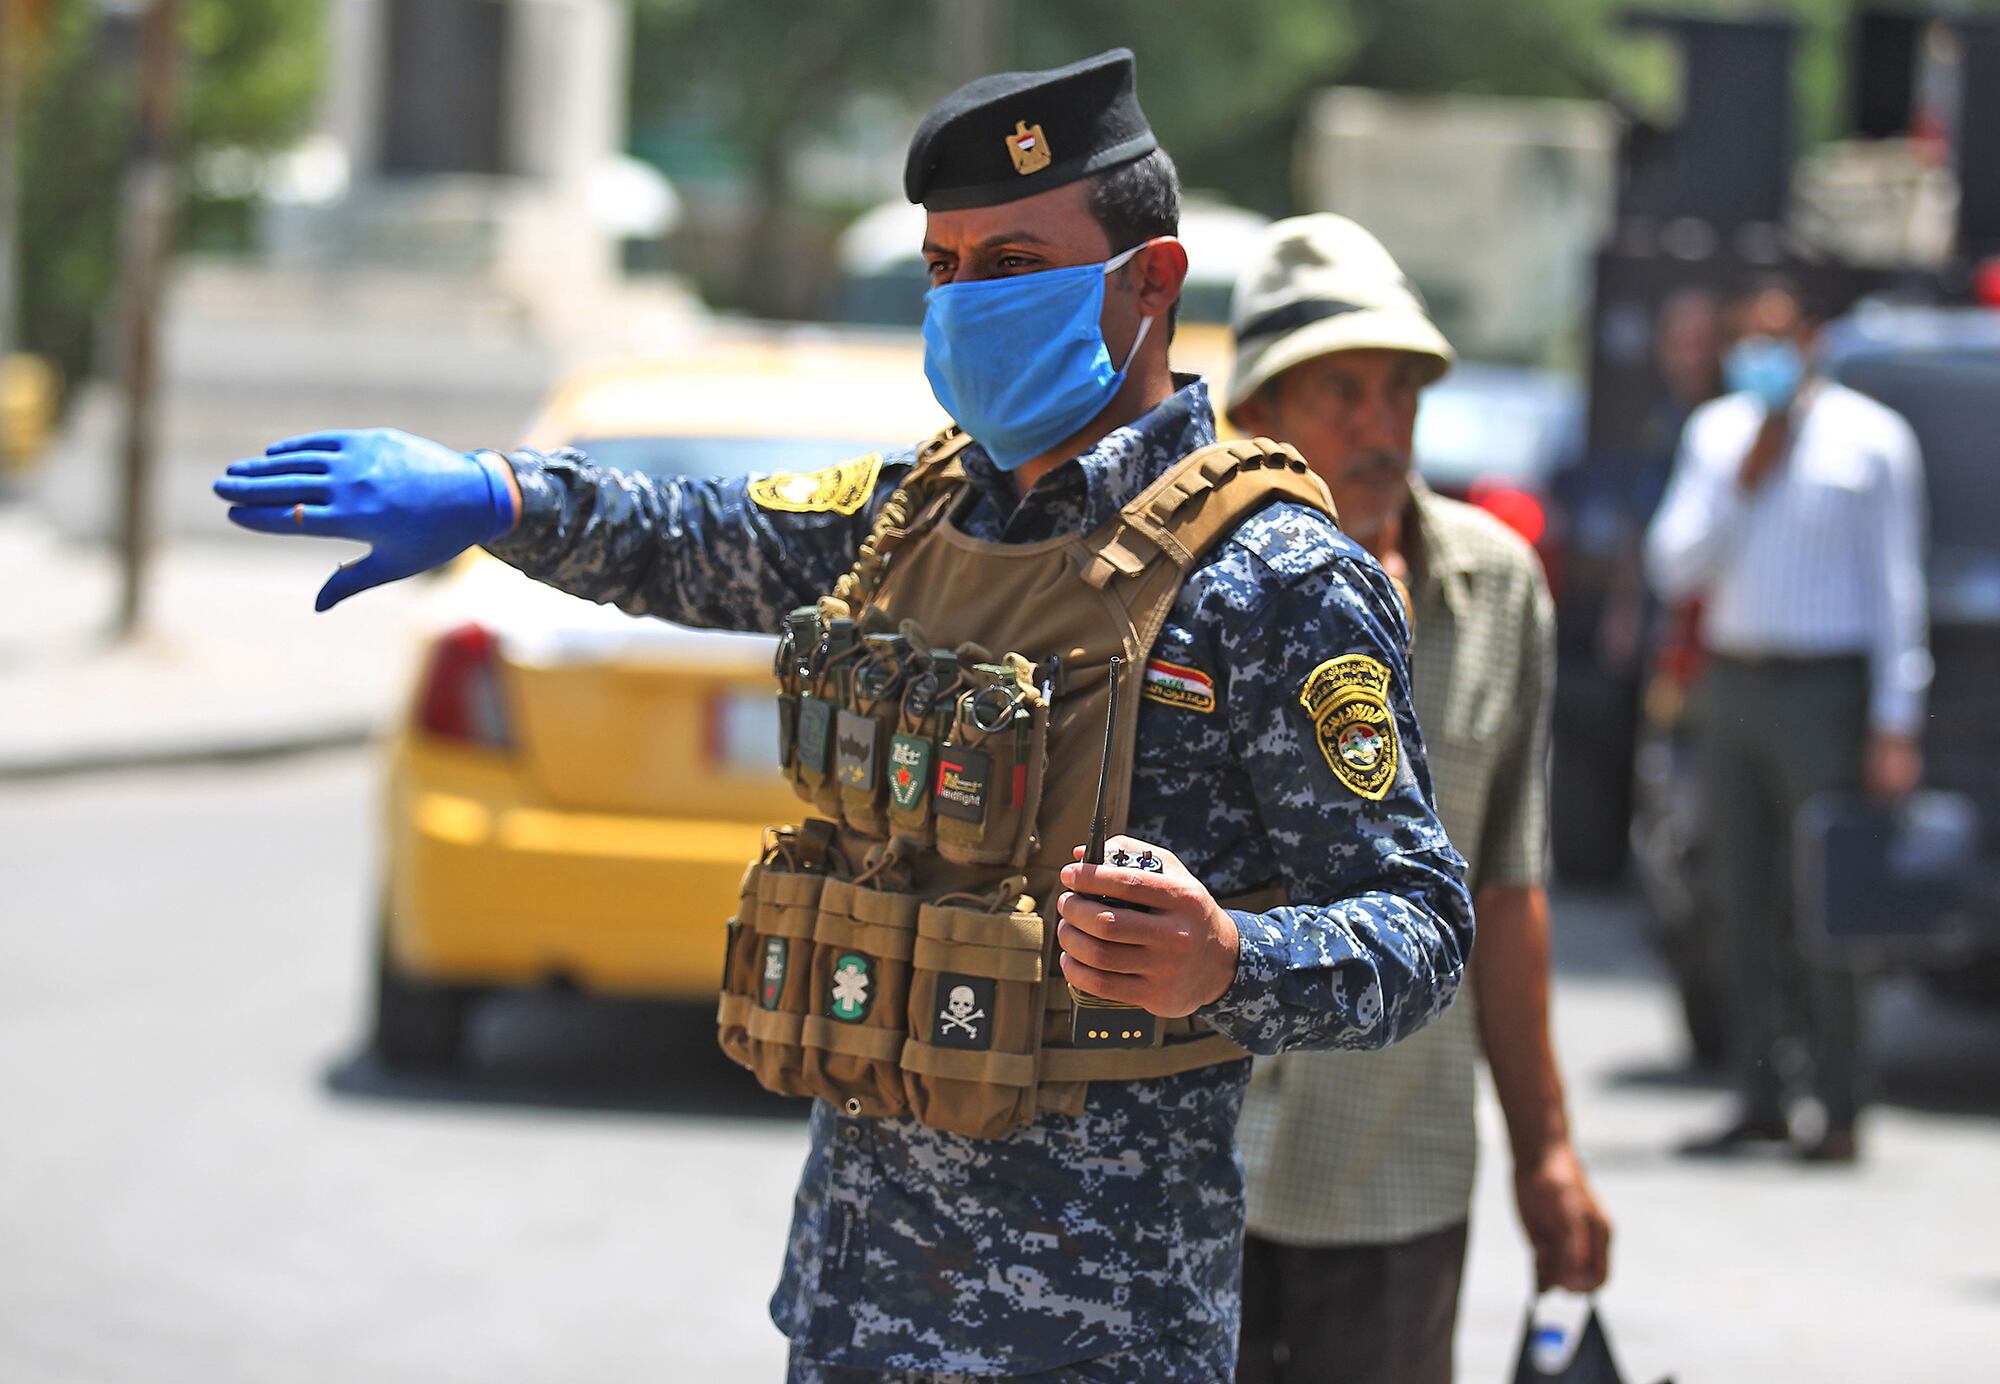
column 1094, row 851
column 1094, row 1022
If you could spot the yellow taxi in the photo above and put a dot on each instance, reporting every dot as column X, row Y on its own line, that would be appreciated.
column 574, row 792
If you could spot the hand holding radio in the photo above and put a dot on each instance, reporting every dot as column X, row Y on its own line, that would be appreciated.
column 1146, row 932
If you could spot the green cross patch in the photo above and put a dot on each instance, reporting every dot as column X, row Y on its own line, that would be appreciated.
column 853, row 980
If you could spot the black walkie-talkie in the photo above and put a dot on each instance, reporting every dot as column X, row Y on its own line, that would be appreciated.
column 1097, row 1023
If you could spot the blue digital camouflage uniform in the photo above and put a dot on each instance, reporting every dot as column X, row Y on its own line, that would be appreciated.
column 1109, row 1241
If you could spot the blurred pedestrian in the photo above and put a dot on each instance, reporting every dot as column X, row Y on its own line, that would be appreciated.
column 1360, row 1165
column 997, row 1185
column 1687, row 352
column 1796, row 510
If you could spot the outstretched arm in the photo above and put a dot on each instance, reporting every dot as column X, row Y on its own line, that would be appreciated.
column 731, row 553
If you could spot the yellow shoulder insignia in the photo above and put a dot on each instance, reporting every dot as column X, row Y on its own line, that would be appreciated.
column 841, row 489
column 1348, row 701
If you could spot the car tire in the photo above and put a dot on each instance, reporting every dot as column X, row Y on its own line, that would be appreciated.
column 418, row 1025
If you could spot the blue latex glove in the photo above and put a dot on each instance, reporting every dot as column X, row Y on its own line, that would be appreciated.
column 416, row 503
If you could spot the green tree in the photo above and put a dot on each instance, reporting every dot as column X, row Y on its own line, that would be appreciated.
column 250, row 72
column 752, row 77
column 1222, row 80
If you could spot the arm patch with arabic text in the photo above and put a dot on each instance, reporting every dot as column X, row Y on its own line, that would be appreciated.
column 1347, row 699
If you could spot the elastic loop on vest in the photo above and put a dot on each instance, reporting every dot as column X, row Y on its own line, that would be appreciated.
column 774, row 1026
column 931, row 954
column 1010, row 931
column 1118, row 558
column 853, row 1040
column 961, row 1064
column 1219, row 467
column 1169, row 501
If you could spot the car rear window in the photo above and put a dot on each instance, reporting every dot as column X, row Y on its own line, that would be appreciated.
column 1949, row 401
column 719, row 456
column 1479, row 423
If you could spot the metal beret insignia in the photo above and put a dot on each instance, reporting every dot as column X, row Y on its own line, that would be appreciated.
column 1029, row 148
column 841, row 489
column 1348, row 701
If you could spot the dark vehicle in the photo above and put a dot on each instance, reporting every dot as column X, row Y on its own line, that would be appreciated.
column 1940, row 369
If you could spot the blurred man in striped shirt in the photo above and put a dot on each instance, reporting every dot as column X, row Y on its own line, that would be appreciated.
column 1796, row 513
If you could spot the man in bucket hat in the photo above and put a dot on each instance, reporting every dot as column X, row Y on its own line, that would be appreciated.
column 1360, row 1165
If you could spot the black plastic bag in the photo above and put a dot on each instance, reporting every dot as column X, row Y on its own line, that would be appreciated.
column 1590, row 1363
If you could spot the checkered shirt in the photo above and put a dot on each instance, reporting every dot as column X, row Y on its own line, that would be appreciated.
column 1378, row 1147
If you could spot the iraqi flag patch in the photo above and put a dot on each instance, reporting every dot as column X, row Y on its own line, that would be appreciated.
column 1176, row 684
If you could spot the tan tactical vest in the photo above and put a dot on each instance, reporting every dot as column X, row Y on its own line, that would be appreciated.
column 897, row 955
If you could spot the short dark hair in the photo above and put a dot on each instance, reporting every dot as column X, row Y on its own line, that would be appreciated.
column 1136, row 202
column 1753, row 286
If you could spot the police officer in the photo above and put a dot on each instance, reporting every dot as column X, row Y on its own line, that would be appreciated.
column 1274, row 745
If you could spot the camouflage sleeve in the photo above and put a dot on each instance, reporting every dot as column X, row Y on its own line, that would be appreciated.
column 1376, row 938
column 732, row 553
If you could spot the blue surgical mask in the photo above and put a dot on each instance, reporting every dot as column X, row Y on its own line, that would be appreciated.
column 1769, row 368
column 1020, row 362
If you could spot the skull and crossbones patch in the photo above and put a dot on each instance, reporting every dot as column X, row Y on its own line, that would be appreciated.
column 965, row 1012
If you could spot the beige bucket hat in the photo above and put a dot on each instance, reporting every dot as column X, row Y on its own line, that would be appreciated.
column 1318, row 284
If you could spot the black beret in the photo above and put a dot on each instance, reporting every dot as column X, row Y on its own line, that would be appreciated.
column 1011, row 135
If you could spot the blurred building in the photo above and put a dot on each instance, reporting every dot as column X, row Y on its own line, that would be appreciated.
column 475, row 138
column 1493, row 205
column 445, row 239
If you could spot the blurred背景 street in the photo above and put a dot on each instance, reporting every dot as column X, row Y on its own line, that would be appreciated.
column 203, row 1181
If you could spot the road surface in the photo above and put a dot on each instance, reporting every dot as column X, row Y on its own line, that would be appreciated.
column 199, row 1181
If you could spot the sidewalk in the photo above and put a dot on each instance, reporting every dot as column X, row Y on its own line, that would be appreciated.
column 233, row 663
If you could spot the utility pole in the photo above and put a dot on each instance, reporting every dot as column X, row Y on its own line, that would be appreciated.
column 147, row 242
column 19, row 23
column 13, row 71
column 972, row 38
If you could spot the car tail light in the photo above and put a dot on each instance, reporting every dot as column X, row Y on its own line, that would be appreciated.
column 1986, row 283
column 1514, row 507
column 1523, row 512
column 461, row 697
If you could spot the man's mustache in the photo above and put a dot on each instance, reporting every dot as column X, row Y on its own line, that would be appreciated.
column 1375, row 467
